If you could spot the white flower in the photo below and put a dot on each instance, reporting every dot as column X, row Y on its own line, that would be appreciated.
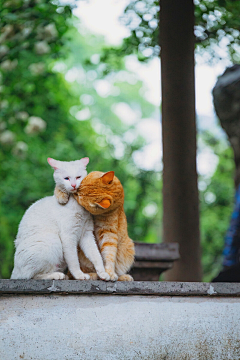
column 3, row 50
column 11, row 120
column 3, row 104
column 35, row 125
column 22, row 115
column 49, row 32
column 37, row 68
column 42, row 47
column 20, row 149
column 3, row 125
column 6, row 30
column 7, row 137
column 83, row 114
column 8, row 3
column 9, row 65
column 26, row 31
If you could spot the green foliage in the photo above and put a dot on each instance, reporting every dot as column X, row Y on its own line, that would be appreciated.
column 31, row 36
column 215, row 20
column 42, row 115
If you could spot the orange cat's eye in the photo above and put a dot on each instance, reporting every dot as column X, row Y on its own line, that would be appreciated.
column 105, row 203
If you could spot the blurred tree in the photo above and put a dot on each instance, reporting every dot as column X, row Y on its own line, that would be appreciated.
column 42, row 114
column 217, row 27
column 217, row 24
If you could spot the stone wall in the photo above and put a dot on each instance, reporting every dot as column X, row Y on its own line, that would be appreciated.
column 68, row 320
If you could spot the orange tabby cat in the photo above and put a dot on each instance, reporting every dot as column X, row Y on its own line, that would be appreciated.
column 103, row 196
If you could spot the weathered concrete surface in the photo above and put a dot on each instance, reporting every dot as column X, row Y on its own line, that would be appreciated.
column 106, row 327
column 156, row 288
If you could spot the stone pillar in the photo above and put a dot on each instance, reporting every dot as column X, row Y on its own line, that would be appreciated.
column 180, row 192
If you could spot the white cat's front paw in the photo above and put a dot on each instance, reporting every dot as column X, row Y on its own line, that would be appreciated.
column 81, row 276
column 58, row 276
column 104, row 275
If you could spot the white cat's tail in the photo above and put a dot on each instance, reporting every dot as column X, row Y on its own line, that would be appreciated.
column 25, row 265
column 18, row 274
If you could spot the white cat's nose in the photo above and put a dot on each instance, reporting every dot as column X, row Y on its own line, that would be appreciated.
column 73, row 185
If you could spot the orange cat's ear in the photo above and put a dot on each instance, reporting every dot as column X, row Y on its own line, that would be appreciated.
column 107, row 178
column 105, row 203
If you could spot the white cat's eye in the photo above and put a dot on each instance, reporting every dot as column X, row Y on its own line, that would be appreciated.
column 78, row 177
column 66, row 178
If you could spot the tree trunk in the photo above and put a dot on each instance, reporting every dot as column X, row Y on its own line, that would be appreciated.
column 180, row 192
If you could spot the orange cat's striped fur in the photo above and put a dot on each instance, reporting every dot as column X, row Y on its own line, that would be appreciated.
column 103, row 196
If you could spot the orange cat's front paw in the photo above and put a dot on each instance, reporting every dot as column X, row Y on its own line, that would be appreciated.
column 125, row 277
column 61, row 196
column 112, row 274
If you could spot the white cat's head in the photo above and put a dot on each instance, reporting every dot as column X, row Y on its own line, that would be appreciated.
column 68, row 175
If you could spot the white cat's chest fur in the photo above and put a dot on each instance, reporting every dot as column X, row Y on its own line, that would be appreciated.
column 72, row 218
column 48, row 234
column 47, row 215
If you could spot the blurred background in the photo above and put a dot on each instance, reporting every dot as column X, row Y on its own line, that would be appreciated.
column 82, row 78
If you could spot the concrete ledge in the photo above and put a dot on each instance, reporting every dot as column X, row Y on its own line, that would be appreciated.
column 95, row 320
column 151, row 288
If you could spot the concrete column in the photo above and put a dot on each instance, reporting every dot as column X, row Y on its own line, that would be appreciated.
column 180, row 192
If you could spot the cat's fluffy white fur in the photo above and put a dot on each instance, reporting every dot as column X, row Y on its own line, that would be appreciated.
column 49, row 233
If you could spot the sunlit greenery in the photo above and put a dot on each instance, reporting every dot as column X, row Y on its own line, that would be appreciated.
column 51, row 72
column 44, row 115
column 217, row 26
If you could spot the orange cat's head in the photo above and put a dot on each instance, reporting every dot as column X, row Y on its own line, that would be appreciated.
column 100, row 192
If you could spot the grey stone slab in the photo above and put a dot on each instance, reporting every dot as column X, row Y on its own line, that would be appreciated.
column 153, row 288
column 156, row 252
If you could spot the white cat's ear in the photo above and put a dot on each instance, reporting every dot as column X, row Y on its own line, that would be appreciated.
column 53, row 163
column 85, row 161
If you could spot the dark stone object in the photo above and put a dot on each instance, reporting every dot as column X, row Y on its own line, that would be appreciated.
column 232, row 274
column 226, row 99
column 152, row 259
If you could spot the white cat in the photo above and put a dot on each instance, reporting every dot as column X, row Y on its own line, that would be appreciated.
column 49, row 233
